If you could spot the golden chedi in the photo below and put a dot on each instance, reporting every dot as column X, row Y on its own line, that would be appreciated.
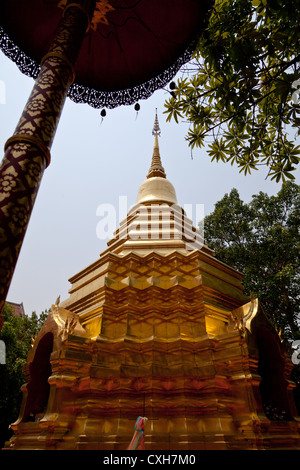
column 157, row 327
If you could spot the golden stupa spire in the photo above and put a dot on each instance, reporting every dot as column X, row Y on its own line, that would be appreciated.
column 156, row 168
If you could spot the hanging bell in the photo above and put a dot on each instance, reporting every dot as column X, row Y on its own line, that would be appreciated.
column 137, row 108
column 102, row 114
column 172, row 88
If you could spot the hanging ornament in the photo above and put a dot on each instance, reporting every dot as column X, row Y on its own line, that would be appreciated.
column 172, row 88
column 137, row 108
column 102, row 114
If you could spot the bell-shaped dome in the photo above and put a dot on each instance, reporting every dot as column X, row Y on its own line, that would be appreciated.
column 156, row 189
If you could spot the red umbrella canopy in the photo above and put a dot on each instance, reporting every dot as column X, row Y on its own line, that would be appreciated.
column 134, row 48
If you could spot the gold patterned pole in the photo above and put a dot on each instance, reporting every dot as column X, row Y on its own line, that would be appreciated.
column 27, row 152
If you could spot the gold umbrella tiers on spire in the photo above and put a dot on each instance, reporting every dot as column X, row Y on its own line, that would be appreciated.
column 156, row 168
column 156, row 188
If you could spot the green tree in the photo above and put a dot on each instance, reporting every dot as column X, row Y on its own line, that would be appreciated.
column 261, row 239
column 16, row 334
column 239, row 93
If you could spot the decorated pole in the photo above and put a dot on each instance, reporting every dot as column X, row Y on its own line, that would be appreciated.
column 138, row 439
column 27, row 152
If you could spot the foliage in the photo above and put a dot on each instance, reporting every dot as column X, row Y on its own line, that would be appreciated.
column 240, row 93
column 261, row 239
column 16, row 334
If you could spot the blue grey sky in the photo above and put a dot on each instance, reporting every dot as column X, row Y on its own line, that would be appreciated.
column 95, row 163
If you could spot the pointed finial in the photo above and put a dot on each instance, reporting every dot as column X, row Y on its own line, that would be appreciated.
column 156, row 168
column 156, row 128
